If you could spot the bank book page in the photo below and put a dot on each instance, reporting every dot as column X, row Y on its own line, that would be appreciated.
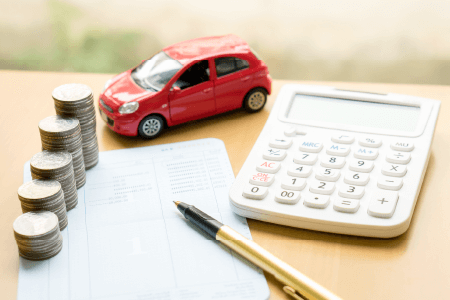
column 127, row 240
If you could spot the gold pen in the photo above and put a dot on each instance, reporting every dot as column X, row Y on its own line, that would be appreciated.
column 296, row 284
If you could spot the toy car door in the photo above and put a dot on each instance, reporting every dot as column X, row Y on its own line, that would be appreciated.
column 192, row 94
column 232, row 83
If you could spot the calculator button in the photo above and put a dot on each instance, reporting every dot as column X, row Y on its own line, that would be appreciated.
column 398, row 157
column 366, row 153
column 290, row 131
column 389, row 183
column 305, row 158
column 339, row 150
column 393, row 170
column 280, row 143
column 274, row 154
column 335, row 162
column 402, row 146
column 310, row 146
column 383, row 204
column 299, row 170
column 263, row 179
column 286, row 196
column 293, row 183
column 268, row 166
column 346, row 205
column 343, row 138
column 351, row 191
column 322, row 187
column 370, row 142
column 255, row 192
column 327, row 174
column 358, row 165
column 355, row 178
column 316, row 201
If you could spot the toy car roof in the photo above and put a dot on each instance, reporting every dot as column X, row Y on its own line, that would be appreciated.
column 205, row 47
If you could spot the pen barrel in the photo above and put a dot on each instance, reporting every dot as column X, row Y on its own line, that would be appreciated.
column 207, row 223
column 273, row 265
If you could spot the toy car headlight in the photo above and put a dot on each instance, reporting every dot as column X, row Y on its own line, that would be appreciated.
column 129, row 108
column 107, row 84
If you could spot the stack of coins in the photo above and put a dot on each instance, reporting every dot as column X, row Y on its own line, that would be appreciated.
column 46, row 195
column 56, row 165
column 60, row 133
column 37, row 235
column 77, row 100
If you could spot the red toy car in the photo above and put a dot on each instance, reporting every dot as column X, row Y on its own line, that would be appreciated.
column 184, row 82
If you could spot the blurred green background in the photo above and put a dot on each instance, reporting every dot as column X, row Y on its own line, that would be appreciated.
column 371, row 41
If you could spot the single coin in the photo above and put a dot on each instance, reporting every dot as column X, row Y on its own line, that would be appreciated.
column 35, row 223
column 71, row 92
column 58, row 125
column 39, row 189
column 51, row 160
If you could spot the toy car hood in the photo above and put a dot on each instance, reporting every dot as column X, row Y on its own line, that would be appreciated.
column 123, row 90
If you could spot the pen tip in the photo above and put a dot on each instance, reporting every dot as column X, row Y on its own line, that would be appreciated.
column 176, row 202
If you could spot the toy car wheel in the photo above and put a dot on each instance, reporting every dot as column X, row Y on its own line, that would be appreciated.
column 151, row 127
column 255, row 100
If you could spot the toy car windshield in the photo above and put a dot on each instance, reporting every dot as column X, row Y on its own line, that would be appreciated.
column 156, row 72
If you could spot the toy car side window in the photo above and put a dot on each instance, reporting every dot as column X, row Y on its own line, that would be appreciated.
column 228, row 65
column 197, row 73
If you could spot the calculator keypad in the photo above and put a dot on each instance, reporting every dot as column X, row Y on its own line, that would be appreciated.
column 327, row 174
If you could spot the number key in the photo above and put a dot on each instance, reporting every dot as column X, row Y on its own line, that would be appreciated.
column 299, row 171
column 305, row 158
column 335, row 162
column 287, row 197
column 327, row 174
column 356, row 178
column 255, row 192
column 322, row 187
column 293, row 183
column 359, row 165
column 351, row 191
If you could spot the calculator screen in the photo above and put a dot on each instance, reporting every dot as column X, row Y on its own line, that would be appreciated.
column 354, row 112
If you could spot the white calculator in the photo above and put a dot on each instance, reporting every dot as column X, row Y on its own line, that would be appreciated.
column 339, row 161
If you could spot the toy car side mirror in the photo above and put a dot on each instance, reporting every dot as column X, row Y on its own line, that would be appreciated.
column 175, row 89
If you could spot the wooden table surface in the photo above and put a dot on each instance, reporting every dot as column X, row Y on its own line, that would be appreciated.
column 415, row 265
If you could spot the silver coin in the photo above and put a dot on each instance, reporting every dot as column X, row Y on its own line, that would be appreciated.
column 35, row 223
column 58, row 125
column 71, row 92
column 38, row 189
column 51, row 160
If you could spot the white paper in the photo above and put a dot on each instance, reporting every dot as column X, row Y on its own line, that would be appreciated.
column 126, row 239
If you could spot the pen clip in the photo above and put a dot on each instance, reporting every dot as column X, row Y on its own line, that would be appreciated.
column 293, row 293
